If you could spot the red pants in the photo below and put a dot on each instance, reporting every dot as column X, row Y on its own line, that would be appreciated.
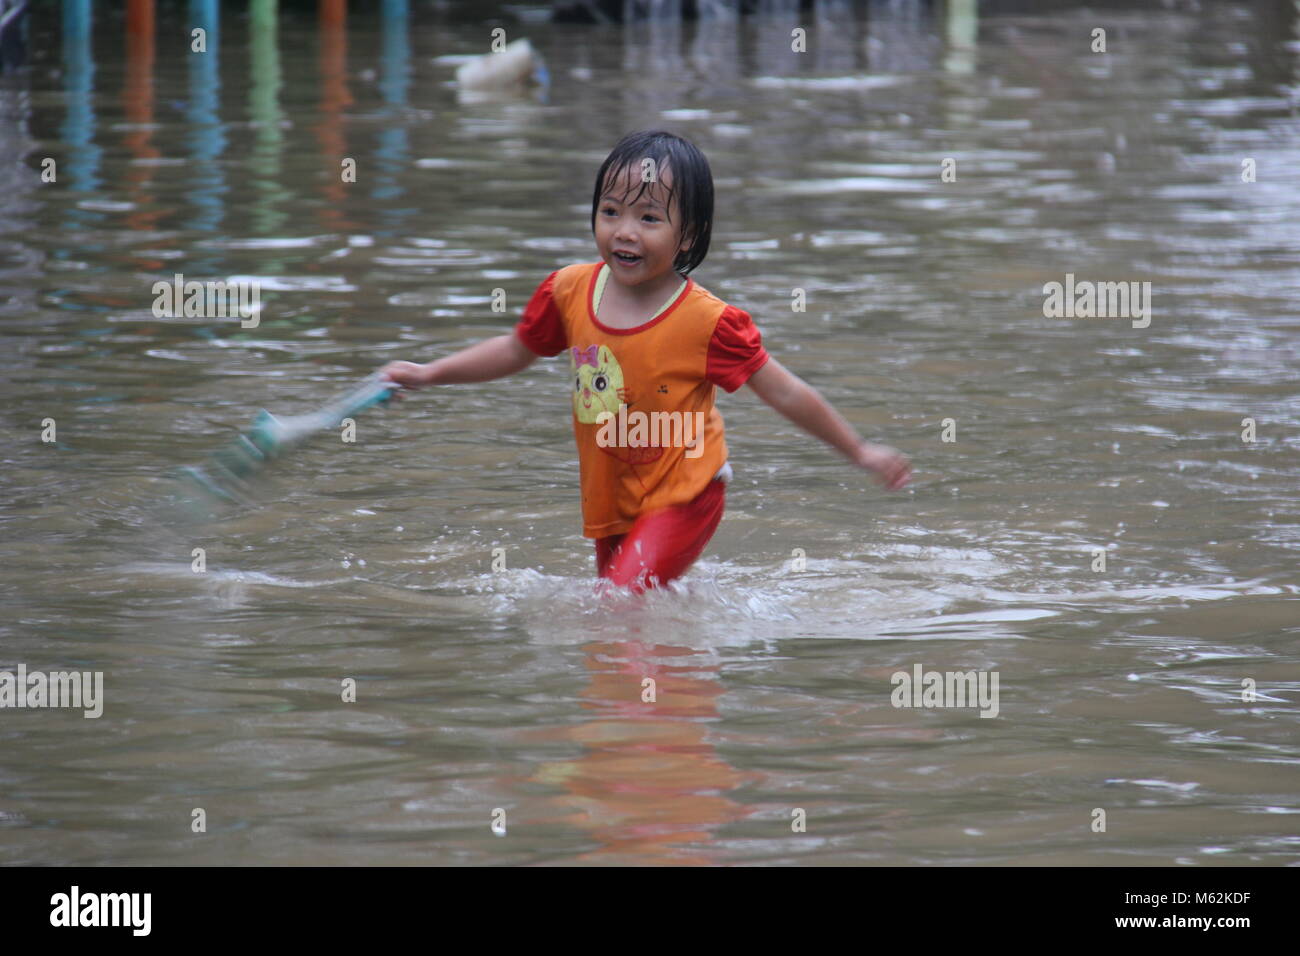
column 661, row 545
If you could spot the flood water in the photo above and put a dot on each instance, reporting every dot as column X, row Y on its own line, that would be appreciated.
column 516, row 688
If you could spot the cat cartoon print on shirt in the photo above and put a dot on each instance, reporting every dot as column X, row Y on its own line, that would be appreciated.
column 598, row 387
column 597, row 382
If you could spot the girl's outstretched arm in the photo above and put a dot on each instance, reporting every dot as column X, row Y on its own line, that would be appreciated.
column 494, row 358
column 802, row 404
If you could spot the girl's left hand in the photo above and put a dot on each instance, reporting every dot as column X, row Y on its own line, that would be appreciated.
column 891, row 465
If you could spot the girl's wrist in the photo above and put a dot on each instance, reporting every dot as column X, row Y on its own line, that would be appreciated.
column 867, row 456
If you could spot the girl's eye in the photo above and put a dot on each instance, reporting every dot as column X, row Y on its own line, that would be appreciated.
column 650, row 218
column 600, row 383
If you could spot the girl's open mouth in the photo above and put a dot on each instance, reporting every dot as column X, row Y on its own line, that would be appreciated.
column 626, row 259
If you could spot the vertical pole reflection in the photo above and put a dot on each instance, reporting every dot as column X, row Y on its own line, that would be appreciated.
column 961, row 26
column 264, row 107
column 334, row 99
column 394, row 79
column 78, row 130
column 207, row 141
column 137, row 106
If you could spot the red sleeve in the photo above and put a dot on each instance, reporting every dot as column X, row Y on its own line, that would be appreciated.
column 735, row 351
column 541, row 328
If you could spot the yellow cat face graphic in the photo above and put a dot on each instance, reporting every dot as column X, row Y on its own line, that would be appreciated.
column 597, row 382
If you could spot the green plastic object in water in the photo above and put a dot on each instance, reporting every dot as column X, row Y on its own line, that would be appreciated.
column 227, row 472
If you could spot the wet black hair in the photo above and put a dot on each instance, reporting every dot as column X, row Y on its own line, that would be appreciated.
column 692, row 184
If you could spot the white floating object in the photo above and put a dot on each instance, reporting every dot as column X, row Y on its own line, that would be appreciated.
column 514, row 66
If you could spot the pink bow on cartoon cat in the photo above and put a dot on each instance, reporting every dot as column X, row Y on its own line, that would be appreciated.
column 587, row 356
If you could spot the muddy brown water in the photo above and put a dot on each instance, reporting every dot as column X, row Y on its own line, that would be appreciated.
column 514, row 688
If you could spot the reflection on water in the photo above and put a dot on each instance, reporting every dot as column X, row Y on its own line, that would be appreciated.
column 688, row 726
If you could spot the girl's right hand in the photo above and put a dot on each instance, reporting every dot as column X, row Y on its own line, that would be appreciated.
column 892, row 466
column 406, row 374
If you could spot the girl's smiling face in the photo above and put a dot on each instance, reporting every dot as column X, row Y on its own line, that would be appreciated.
column 646, row 226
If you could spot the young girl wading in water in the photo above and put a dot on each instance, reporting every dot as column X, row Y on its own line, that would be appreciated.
column 646, row 347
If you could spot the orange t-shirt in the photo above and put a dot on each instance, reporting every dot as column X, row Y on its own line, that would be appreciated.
column 648, row 434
